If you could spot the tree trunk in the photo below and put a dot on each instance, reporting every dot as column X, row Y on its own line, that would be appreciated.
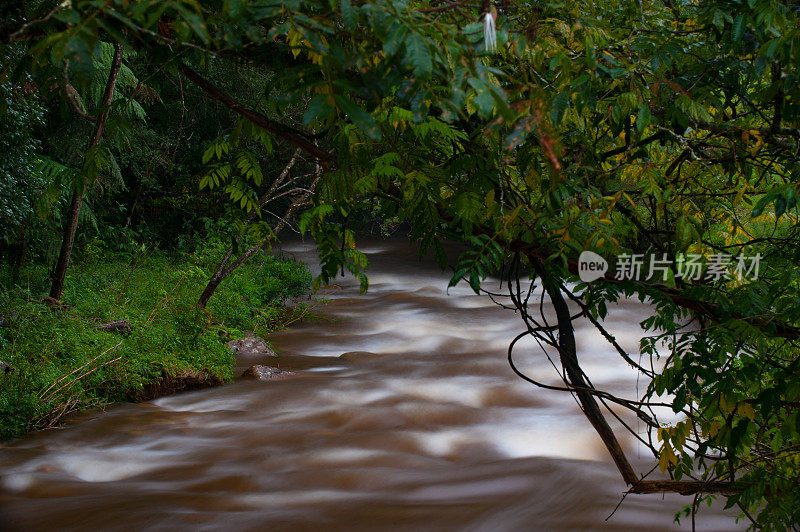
column 19, row 260
column 71, row 225
column 209, row 290
column 224, row 269
column 70, row 228
column 582, row 390
column 569, row 361
column 132, row 205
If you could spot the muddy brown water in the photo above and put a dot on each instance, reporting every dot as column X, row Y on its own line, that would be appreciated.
column 405, row 416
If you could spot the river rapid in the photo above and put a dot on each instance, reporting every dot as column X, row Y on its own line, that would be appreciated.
column 404, row 416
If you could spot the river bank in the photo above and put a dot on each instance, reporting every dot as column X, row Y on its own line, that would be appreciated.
column 129, row 329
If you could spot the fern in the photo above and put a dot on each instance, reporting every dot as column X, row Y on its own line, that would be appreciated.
column 217, row 176
column 217, row 148
column 484, row 258
column 55, row 175
column 418, row 55
column 249, row 168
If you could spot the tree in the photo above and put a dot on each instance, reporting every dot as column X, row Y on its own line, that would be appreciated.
column 649, row 128
column 238, row 171
column 20, row 184
column 71, row 222
column 284, row 185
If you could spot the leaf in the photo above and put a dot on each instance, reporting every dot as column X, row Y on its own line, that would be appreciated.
column 208, row 154
column 762, row 204
column 643, row 119
column 439, row 254
column 483, row 97
column 738, row 29
column 234, row 7
column 418, row 54
column 319, row 108
column 560, row 104
column 361, row 118
column 501, row 105
column 349, row 15
column 194, row 21
column 522, row 129
column 680, row 400
column 666, row 457
column 780, row 206
column 395, row 39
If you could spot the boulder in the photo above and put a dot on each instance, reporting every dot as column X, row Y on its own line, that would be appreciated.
column 251, row 346
column 267, row 373
column 358, row 355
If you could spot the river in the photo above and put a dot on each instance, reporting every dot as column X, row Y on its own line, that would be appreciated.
column 404, row 416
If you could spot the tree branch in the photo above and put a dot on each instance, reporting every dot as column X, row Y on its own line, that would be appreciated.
column 285, row 132
column 569, row 361
column 72, row 95
column 685, row 487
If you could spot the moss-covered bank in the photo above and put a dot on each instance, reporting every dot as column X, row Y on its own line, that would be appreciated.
column 63, row 363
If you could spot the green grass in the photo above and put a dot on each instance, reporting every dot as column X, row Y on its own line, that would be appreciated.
column 64, row 365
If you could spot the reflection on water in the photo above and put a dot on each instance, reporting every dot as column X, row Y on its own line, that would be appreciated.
column 405, row 416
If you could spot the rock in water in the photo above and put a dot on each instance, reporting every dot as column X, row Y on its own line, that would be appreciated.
column 250, row 346
column 267, row 373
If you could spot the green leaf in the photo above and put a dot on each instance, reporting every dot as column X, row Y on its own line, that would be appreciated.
column 439, row 254
column 361, row 118
column 762, row 204
column 419, row 55
column 349, row 15
column 234, row 7
column 501, row 105
column 395, row 39
column 643, row 119
column 738, row 29
column 194, row 21
column 680, row 400
column 780, row 206
column 318, row 109
column 522, row 129
column 208, row 154
column 483, row 97
column 560, row 104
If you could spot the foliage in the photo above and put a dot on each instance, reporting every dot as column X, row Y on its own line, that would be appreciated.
column 63, row 364
column 20, row 184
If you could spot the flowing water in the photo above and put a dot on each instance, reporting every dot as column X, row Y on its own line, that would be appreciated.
column 404, row 416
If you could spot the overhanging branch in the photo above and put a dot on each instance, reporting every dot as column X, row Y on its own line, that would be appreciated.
column 582, row 389
column 283, row 131
column 685, row 487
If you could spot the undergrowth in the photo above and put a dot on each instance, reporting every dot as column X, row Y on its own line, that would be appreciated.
column 62, row 364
